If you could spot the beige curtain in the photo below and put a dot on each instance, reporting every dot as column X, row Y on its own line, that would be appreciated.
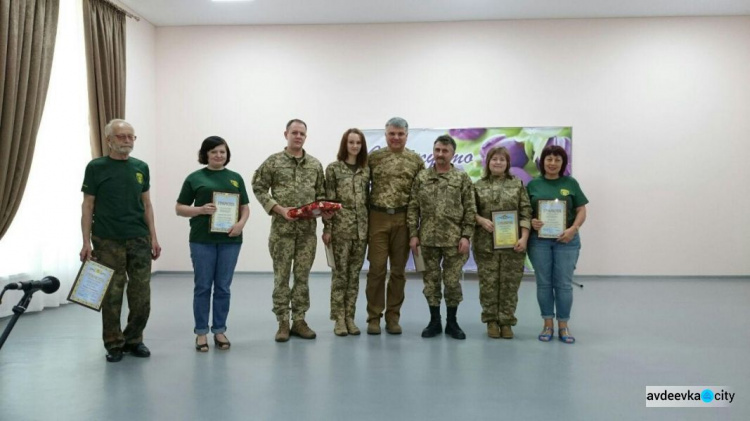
column 27, row 42
column 104, row 27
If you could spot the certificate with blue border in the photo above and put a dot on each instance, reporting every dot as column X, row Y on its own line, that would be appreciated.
column 227, row 211
column 554, row 214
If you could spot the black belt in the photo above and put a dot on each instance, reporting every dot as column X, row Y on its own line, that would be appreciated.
column 389, row 211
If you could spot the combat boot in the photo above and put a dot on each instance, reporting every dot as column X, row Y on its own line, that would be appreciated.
column 493, row 330
column 392, row 327
column 301, row 329
column 282, row 335
column 339, row 329
column 351, row 327
column 435, row 327
column 451, row 326
column 373, row 327
column 506, row 332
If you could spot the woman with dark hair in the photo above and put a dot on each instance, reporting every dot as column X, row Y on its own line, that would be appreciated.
column 347, row 181
column 554, row 259
column 500, row 271
column 214, row 254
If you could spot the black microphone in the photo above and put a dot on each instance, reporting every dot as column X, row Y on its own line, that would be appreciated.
column 48, row 284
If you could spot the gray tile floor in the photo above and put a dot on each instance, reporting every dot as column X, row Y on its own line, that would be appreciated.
column 631, row 333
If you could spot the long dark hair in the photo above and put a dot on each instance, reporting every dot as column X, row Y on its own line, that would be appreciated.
column 344, row 151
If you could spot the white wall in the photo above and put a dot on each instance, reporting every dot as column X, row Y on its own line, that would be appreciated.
column 658, row 107
column 140, row 106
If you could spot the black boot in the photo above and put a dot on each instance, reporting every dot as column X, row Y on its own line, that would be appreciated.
column 451, row 325
column 435, row 327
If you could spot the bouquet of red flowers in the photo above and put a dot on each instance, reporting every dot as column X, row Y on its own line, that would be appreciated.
column 314, row 209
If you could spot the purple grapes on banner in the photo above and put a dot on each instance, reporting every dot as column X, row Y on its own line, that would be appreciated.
column 521, row 174
column 467, row 134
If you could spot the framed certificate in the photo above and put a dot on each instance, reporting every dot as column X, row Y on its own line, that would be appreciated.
column 505, row 234
column 227, row 211
column 554, row 215
column 330, row 259
column 418, row 260
column 91, row 284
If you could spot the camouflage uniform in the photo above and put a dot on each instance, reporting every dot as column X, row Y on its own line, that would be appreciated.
column 392, row 175
column 441, row 212
column 132, row 257
column 292, row 182
column 348, row 230
column 500, row 271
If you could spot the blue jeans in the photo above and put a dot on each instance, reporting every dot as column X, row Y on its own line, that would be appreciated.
column 213, row 265
column 554, row 263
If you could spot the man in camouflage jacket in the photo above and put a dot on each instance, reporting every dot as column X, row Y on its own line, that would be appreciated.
column 393, row 170
column 441, row 220
column 294, row 178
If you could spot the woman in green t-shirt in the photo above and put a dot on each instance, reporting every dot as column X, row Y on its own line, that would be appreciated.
column 214, row 254
column 554, row 259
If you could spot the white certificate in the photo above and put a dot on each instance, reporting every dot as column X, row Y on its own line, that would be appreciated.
column 227, row 211
column 330, row 259
column 418, row 260
column 554, row 215
column 91, row 285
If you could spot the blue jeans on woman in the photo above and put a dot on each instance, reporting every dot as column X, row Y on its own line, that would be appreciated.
column 554, row 263
column 213, row 265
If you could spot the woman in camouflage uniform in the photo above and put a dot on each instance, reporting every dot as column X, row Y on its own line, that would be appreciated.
column 347, row 181
column 500, row 271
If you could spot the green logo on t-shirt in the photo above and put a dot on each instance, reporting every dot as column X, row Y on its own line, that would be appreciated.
column 564, row 192
column 139, row 177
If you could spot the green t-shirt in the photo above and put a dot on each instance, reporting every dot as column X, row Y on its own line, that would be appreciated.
column 117, row 186
column 198, row 189
column 564, row 188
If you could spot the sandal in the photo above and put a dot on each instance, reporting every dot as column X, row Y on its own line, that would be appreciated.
column 565, row 336
column 201, row 347
column 221, row 345
column 546, row 334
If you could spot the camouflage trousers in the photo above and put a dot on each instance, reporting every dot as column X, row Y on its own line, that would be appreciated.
column 500, row 274
column 291, row 253
column 131, row 260
column 450, row 274
column 349, row 257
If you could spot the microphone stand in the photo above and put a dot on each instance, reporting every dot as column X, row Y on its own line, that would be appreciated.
column 18, row 310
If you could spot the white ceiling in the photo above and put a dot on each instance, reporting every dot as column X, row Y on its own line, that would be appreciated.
column 273, row 12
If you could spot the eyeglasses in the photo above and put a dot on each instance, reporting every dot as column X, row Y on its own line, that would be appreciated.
column 126, row 136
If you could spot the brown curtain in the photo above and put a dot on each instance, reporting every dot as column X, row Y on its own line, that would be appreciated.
column 27, row 42
column 104, row 27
